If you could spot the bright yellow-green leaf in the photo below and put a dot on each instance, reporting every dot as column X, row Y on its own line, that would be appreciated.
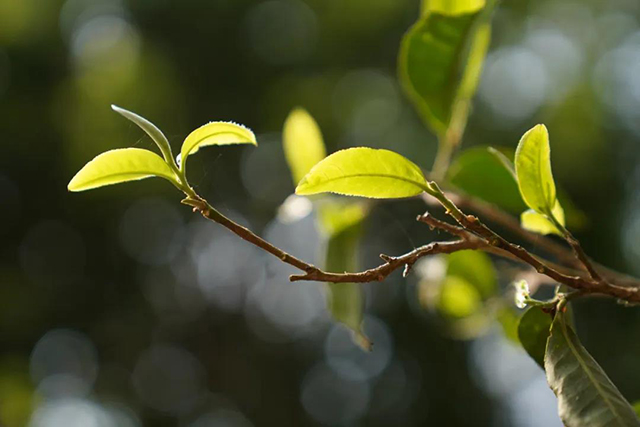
column 434, row 56
column 636, row 407
column 538, row 223
column 458, row 298
column 303, row 144
column 364, row 172
column 115, row 166
column 533, row 170
column 215, row 133
column 475, row 268
column 452, row 7
column 150, row 129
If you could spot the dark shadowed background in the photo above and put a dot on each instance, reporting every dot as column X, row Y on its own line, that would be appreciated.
column 120, row 307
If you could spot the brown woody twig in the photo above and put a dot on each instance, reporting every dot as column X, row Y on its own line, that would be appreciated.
column 471, row 233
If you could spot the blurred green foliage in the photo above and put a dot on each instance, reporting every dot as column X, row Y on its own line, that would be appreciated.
column 65, row 266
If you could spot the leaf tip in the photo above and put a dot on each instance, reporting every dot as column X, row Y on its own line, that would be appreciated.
column 117, row 109
column 302, row 188
column 363, row 341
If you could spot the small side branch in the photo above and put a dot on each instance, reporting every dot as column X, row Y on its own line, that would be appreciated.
column 471, row 233
column 391, row 264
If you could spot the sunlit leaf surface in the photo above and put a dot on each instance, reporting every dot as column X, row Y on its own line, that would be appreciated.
column 364, row 172
column 115, row 166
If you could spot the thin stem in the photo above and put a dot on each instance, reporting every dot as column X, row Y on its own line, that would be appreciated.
column 577, row 249
column 207, row 211
column 449, row 140
column 510, row 223
column 474, row 225
column 473, row 235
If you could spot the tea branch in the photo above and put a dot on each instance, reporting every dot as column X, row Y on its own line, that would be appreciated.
column 470, row 232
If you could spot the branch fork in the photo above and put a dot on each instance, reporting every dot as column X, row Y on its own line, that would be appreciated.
column 470, row 233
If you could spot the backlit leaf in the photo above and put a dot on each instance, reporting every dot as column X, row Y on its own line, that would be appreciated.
column 533, row 170
column 215, row 133
column 364, row 172
column 432, row 63
column 150, row 129
column 303, row 144
column 115, row 166
column 538, row 223
column 452, row 7
column 533, row 332
column 586, row 395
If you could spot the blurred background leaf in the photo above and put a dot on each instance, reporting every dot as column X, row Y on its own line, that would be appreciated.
column 124, row 308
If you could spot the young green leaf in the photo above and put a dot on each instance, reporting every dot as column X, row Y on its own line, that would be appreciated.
column 215, row 133
column 479, row 172
column 533, row 170
column 533, row 332
column 364, row 172
column 303, row 144
column 636, row 407
column 452, row 7
column 433, row 60
column 533, row 221
column 345, row 301
column 115, row 166
column 150, row 129
column 586, row 395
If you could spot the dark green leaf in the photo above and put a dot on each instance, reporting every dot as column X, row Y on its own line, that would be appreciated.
column 533, row 332
column 586, row 395
column 480, row 173
column 509, row 320
column 432, row 63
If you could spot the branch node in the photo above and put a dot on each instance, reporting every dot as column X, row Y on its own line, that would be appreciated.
column 407, row 270
column 386, row 258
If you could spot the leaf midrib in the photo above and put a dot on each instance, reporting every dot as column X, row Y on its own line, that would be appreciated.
column 587, row 370
column 540, row 181
column 420, row 185
column 142, row 174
